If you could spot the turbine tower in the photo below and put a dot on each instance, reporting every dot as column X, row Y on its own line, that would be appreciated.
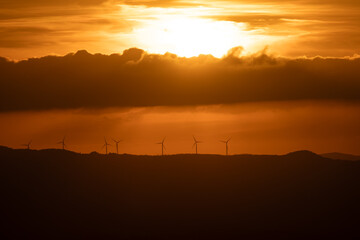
column 106, row 146
column 62, row 143
column 196, row 142
column 117, row 145
column 162, row 146
column 226, row 144
column 27, row 145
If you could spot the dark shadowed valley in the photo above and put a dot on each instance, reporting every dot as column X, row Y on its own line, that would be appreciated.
column 57, row 194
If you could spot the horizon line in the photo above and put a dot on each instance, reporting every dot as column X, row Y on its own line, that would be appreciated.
column 168, row 53
column 175, row 154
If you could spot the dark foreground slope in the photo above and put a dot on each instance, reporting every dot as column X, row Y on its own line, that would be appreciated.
column 59, row 194
column 341, row 156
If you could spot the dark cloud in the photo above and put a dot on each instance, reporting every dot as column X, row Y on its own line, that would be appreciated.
column 30, row 37
column 148, row 3
column 341, row 43
column 34, row 3
column 77, row 28
column 254, row 20
column 171, row 3
column 24, row 13
column 14, row 37
column 305, row 31
column 308, row 2
column 135, row 78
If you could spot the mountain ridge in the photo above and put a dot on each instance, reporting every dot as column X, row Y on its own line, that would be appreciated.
column 341, row 156
column 188, row 196
column 299, row 153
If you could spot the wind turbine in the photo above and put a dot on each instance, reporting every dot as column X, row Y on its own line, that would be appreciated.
column 106, row 145
column 226, row 143
column 62, row 143
column 162, row 146
column 117, row 145
column 27, row 145
column 196, row 145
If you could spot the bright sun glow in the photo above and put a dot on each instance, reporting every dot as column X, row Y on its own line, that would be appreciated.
column 190, row 36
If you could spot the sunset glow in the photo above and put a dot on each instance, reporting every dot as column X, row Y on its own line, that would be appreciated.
column 180, row 119
column 188, row 37
column 94, row 55
column 185, row 28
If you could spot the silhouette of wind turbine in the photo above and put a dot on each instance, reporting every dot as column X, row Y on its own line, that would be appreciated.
column 117, row 145
column 106, row 146
column 226, row 143
column 196, row 142
column 62, row 143
column 162, row 146
column 27, row 145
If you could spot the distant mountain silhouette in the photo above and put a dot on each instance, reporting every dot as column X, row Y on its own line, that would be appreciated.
column 341, row 156
column 304, row 154
column 59, row 194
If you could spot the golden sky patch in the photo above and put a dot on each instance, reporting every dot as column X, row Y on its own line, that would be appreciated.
column 186, row 28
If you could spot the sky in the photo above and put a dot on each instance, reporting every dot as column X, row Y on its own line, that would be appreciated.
column 274, row 75
column 187, row 28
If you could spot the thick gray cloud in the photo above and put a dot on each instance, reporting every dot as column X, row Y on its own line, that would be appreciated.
column 83, row 80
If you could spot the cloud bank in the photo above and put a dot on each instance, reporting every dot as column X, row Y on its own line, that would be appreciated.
column 136, row 78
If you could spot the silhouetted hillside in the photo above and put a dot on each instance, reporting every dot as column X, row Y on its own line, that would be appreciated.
column 61, row 194
column 341, row 156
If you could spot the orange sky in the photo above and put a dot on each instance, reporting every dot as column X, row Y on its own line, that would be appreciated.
column 266, row 128
column 275, row 75
column 186, row 28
